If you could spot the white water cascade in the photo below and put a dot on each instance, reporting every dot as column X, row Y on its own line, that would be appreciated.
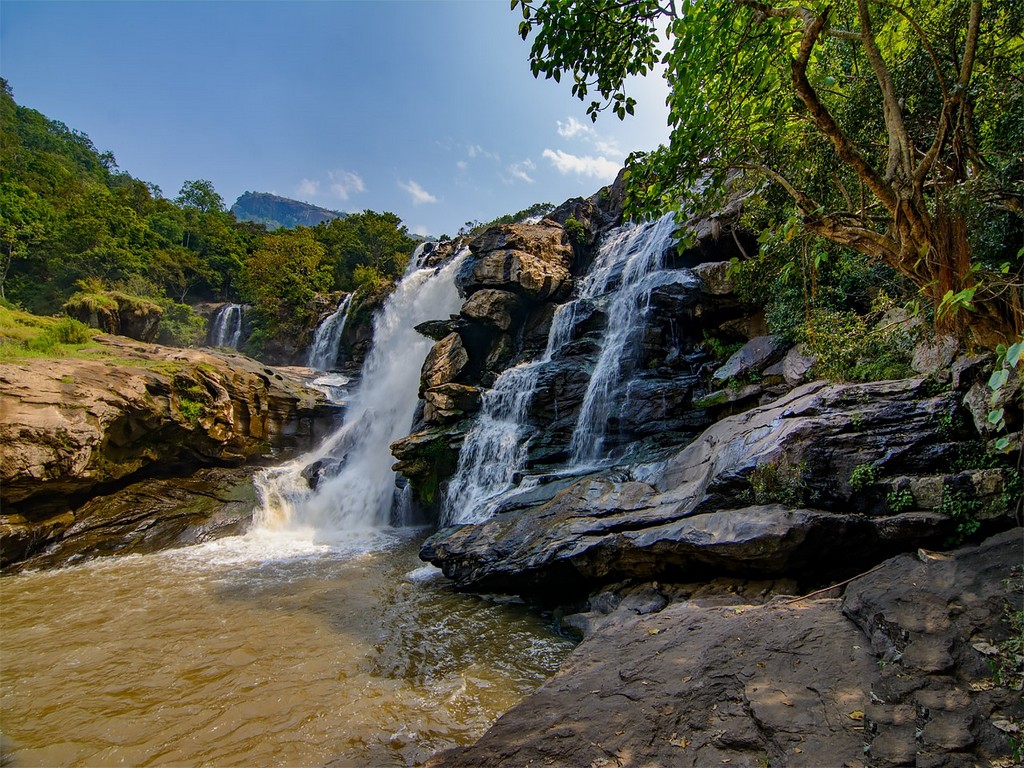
column 359, row 493
column 495, row 451
column 323, row 352
column 226, row 326
column 629, row 258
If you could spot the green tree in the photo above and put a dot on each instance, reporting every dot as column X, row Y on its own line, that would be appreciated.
column 371, row 239
column 891, row 129
column 283, row 274
column 201, row 196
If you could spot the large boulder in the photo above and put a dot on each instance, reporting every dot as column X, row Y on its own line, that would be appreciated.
column 532, row 260
column 444, row 362
column 500, row 309
column 753, row 357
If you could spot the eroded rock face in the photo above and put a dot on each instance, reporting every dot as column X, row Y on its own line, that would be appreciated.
column 74, row 428
column 887, row 676
column 146, row 516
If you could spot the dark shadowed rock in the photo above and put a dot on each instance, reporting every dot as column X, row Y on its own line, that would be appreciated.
column 709, row 508
column 438, row 329
column 146, row 516
column 753, row 357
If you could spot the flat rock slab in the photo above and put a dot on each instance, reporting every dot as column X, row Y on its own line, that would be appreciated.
column 693, row 686
column 812, row 682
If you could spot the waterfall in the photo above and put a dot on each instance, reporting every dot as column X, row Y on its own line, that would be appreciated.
column 358, row 491
column 323, row 352
column 629, row 258
column 494, row 452
column 226, row 326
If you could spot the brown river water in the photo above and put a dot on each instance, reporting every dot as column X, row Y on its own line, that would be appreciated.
column 258, row 651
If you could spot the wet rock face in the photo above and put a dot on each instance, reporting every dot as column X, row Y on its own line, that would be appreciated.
column 87, row 426
column 888, row 675
column 146, row 516
column 770, row 491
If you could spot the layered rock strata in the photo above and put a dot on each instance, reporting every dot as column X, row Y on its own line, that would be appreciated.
column 76, row 428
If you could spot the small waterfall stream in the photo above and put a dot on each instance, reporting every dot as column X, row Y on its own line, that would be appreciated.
column 226, row 326
column 323, row 352
column 628, row 258
column 495, row 450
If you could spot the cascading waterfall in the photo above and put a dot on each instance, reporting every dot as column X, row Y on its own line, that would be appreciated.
column 359, row 493
column 226, row 326
column 629, row 258
column 494, row 452
column 323, row 352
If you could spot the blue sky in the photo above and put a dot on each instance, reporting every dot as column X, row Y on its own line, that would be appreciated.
column 425, row 108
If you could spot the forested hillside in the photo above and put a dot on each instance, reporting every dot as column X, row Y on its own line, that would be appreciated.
column 73, row 227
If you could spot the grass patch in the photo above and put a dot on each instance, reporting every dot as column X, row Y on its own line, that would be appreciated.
column 23, row 335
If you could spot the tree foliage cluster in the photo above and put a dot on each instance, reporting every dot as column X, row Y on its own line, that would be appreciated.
column 71, row 222
column 884, row 128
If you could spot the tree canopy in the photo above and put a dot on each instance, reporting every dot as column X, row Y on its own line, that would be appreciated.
column 892, row 128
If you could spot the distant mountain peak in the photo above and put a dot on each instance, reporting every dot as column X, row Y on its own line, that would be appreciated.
column 275, row 211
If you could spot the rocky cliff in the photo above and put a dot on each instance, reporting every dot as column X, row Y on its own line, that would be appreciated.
column 652, row 479
column 681, row 462
column 75, row 429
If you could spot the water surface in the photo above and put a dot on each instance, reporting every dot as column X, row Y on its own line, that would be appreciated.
column 257, row 651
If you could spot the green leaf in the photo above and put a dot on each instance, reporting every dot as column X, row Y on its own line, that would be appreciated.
column 998, row 379
column 995, row 416
column 1014, row 354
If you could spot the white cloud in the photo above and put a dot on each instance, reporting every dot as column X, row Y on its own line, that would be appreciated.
column 594, row 167
column 461, row 165
column 609, row 148
column 572, row 127
column 421, row 229
column 419, row 194
column 521, row 171
column 344, row 183
column 307, row 188
column 475, row 150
